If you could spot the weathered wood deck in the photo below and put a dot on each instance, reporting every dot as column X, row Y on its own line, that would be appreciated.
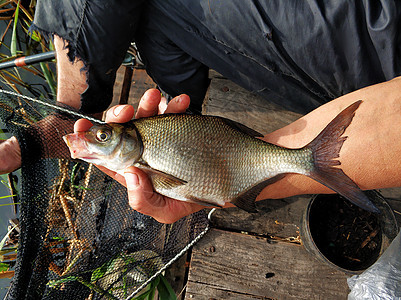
column 254, row 256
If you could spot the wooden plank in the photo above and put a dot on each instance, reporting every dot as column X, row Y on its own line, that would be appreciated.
column 226, row 264
column 207, row 292
column 229, row 100
column 278, row 218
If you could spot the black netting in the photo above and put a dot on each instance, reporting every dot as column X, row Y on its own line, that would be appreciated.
column 79, row 237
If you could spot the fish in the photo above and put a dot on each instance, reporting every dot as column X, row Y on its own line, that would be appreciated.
column 212, row 160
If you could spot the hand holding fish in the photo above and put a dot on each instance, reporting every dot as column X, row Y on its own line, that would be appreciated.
column 140, row 190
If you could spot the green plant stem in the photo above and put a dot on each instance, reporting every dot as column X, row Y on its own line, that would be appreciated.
column 49, row 78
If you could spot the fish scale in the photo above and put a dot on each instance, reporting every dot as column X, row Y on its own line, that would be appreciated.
column 209, row 154
column 213, row 160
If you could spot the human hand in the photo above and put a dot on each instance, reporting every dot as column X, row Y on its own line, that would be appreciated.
column 141, row 195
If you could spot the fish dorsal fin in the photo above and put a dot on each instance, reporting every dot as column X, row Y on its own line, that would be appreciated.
column 246, row 200
column 241, row 127
column 159, row 178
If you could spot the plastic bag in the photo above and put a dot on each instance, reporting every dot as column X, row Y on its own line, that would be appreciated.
column 383, row 279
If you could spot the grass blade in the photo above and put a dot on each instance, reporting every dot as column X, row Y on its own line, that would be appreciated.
column 3, row 197
column 165, row 290
column 13, row 46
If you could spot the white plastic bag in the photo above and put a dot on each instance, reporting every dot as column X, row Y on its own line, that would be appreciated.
column 383, row 279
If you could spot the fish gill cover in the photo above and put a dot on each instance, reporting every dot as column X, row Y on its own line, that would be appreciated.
column 79, row 237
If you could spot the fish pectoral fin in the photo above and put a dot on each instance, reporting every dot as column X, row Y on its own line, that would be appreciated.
column 246, row 200
column 159, row 178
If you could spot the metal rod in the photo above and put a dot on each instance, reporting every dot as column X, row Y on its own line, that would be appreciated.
column 28, row 60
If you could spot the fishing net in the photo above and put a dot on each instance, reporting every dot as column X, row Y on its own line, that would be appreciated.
column 79, row 237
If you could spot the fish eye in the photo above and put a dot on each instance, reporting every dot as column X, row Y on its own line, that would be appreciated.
column 103, row 135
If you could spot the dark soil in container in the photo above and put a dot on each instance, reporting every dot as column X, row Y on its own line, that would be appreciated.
column 345, row 234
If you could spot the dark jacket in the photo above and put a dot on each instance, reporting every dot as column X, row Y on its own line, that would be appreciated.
column 298, row 54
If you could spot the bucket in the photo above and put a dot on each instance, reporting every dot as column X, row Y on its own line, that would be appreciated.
column 345, row 236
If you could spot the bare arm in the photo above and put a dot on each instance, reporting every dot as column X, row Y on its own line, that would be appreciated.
column 370, row 156
column 71, row 80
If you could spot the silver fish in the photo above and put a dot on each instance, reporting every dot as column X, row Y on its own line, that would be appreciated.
column 213, row 160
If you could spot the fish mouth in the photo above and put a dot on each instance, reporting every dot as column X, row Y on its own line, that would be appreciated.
column 77, row 145
column 67, row 140
column 86, row 158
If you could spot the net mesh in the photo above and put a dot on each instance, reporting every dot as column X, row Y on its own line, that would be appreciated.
column 79, row 237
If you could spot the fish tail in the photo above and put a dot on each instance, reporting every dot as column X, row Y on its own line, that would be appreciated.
column 326, row 149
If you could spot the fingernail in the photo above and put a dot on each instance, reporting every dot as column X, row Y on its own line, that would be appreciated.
column 178, row 99
column 118, row 110
column 131, row 179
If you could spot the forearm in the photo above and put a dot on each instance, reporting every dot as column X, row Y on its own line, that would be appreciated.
column 71, row 80
column 370, row 155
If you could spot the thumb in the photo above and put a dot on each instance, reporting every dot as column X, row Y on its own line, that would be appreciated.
column 141, row 196
column 131, row 175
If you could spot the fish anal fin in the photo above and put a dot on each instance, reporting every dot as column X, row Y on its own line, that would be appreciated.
column 203, row 202
column 160, row 179
column 246, row 200
column 326, row 149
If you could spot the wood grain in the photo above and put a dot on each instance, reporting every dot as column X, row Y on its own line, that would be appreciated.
column 278, row 218
column 232, row 263
column 231, row 101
